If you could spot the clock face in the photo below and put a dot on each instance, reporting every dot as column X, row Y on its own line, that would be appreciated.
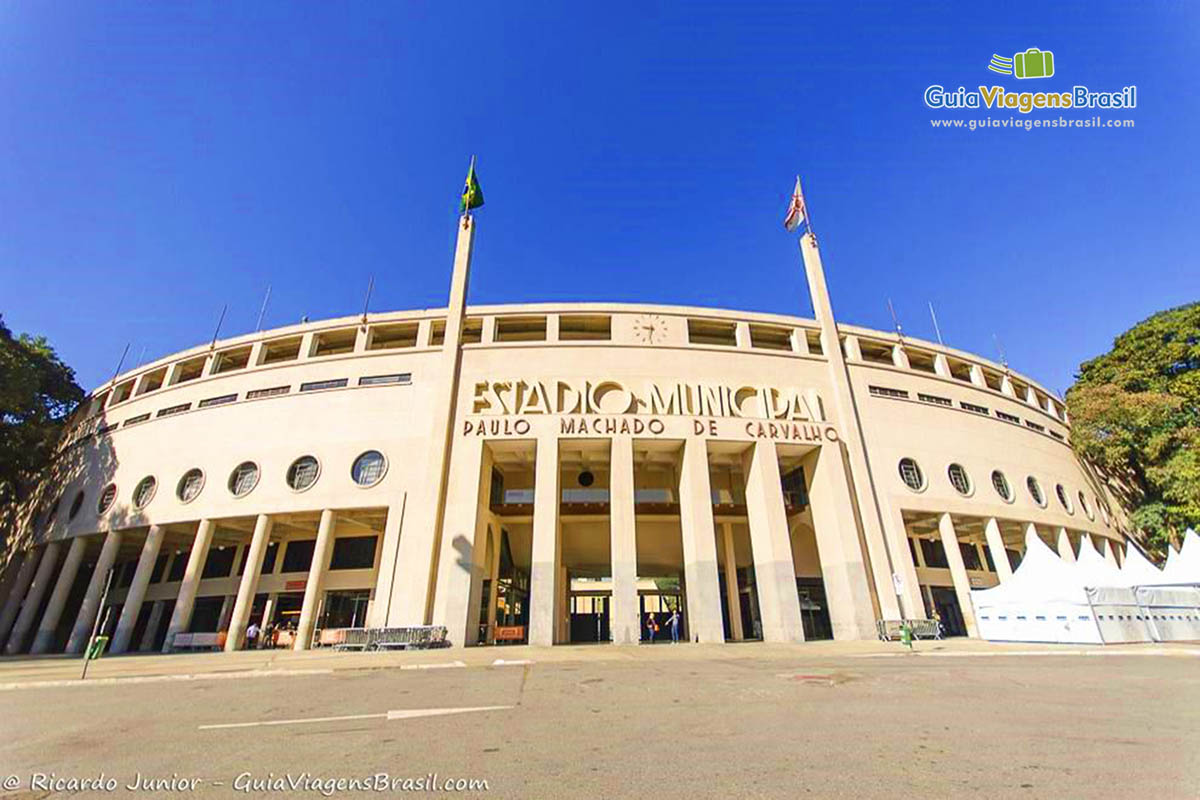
column 649, row 328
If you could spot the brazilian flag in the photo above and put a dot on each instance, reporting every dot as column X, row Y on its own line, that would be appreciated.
column 472, row 195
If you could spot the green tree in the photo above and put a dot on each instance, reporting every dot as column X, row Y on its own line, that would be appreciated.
column 1135, row 412
column 37, row 392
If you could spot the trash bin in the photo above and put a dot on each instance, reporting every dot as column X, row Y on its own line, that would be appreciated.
column 97, row 648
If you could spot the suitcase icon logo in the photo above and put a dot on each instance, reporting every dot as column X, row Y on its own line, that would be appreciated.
column 1033, row 63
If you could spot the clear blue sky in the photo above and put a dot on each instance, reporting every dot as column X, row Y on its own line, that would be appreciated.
column 158, row 160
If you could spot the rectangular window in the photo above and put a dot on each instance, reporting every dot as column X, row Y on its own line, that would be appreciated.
column 268, row 565
column 932, row 398
column 274, row 391
column 232, row 360
column 1055, row 434
column 711, row 331
column 883, row 391
column 317, row 386
column 584, row 328
column 121, row 393
column 219, row 562
column 103, row 429
column 975, row 408
column 814, row 342
column 190, row 370
column 770, row 337
column 920, row 360
column 152, row 381
column 1035, row 426
column 934, row 555
column 960, row 370
column 335, row 343
column 160, row 565
column 391, row 337
column 875, row 352
column 382, row 380
column 179, row 409
column 353, row 552
column 178, row 566
column 299, row 555
column 218, row 401
column 472, row 331
column 521, row 329
column 970, row 555
column 1008, row 417
column 136, row 420
column 278, row 351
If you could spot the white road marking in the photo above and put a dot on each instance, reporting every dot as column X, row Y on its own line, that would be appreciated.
column 500, row 662
column 198, row 676
column 451, row 665
column 406, row 713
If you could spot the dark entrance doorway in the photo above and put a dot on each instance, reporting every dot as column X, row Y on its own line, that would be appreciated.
column 590, row 618
column 945, row 602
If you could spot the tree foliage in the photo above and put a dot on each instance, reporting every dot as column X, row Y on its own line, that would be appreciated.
column 1135, row 412
column 37, row 392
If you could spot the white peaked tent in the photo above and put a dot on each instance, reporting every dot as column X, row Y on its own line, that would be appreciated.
column 1043, row 601
column 1089, row 601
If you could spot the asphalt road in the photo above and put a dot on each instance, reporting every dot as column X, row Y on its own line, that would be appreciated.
column 832, row 726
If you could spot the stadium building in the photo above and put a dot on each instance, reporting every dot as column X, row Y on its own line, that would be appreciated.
column 547, row 473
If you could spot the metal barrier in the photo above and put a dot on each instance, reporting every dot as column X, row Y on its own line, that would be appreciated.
column 403, row 638
column 888, row 630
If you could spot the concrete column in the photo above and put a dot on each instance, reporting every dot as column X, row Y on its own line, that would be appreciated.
column 958, row 572
column 86, row 618
column 464, row 538
column 732, row 595
column 1065, row 551
column 249, row 583
column 156, row 612
column 839, row 546
column 1109, row 554
column 774, row 570
column 977, row 376
column 33, row 598
column 185, row 603
column 389, row 564
column 703, row 591
column 43, row 641
column 941, row 365
column 268, row 608
column 316, row 579
column 625, row 621
column 137, row 590
column 543, row 597
column 995, row 543
column 900, row 357
column 912, row 606
column 16, row 592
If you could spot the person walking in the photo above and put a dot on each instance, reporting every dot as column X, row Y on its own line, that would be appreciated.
column 652, row 626
column 252, row 636
column 673, row 624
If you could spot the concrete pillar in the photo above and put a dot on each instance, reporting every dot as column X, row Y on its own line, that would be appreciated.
column 958, row 572
column 625, row 621
column 86, row 618
column 389, row 563
column 543, row 596
column 774, row 570
column 464, row 540
column 977, row 376
column 1065, row 551
column 268, row 608
column 43, row 641
column 1109, row 554
column 941, row 365
column 249, row 583
column 16, row 591
column 732, row 595
column 911, row 604
column 316, row 579
column 839, row 546
column 137, row 590
column 156, row 612
column 995, row 543
column 33, row 598
column 703, row 591
column 185, row 603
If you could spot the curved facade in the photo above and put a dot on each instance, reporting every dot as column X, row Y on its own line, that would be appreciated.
column 556, row 473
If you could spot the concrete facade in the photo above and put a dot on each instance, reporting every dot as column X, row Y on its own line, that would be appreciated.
column 550, row 473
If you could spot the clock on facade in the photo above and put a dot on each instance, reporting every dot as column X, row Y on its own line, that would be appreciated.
column 649, row 328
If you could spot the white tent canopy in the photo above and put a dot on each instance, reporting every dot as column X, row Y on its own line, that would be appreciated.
column 1089, row 601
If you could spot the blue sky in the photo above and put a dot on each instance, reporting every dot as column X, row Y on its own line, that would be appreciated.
column 159, row 160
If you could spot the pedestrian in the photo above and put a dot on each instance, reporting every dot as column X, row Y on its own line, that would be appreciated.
column 252, row 636
column 673, row 622
column 651, row 626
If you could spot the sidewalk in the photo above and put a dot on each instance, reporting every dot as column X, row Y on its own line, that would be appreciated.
column 18, row 672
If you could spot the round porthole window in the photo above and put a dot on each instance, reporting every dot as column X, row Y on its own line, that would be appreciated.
column 911, row 474
column 106, row 498
column 76, row 504
column 1062, row 498
column 1000, row 484
column 369, row 468
column 143, row 493
column 959, row 479
column 1035, row 491
column 243, row 479
column 190, row 485
column 303, row 473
